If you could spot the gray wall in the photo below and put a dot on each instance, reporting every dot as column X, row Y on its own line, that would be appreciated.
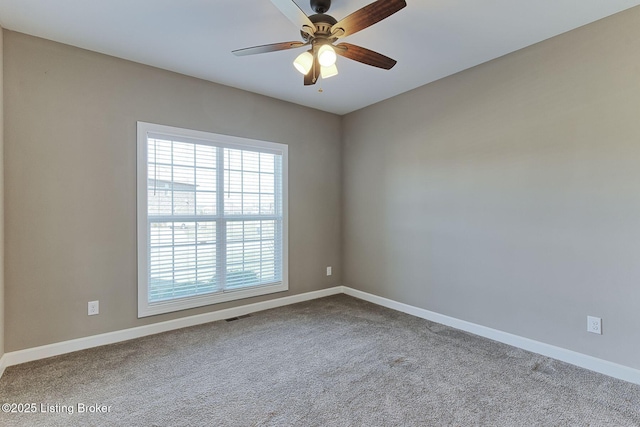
column 1, row 197
column 508, row 195
column 70, row 147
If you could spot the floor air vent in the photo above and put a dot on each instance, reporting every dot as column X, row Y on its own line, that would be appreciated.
column 232, row 319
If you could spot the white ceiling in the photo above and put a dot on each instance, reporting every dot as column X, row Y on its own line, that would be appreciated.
column 429, row 39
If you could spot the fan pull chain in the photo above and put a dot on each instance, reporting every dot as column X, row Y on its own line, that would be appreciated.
column 315, row 61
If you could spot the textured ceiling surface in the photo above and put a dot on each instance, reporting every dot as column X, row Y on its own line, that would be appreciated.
column 429, row 39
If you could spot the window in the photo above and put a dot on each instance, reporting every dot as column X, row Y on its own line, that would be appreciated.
column 212, row 218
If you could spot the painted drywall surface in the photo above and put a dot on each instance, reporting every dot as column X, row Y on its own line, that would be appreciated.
column 70, row 183
column 1, row 197
column 508, row 195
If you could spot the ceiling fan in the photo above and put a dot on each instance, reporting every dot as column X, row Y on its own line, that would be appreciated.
column 321, row 31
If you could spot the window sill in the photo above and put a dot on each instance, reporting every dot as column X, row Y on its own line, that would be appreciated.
column 161, row 307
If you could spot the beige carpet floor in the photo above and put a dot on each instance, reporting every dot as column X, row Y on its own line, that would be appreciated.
column 336, row 361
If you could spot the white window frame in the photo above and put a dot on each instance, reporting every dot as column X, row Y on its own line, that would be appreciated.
column 146, row 308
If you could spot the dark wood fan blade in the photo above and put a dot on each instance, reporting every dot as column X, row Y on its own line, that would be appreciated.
column 267, row 48
column 365, row 56
column 312, row 76
column 293, row 12
column 367, row 16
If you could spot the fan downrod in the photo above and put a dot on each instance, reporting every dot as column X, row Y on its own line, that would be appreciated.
column 320, row 6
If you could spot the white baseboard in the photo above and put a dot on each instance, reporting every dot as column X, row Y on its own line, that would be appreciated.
column 578, row 359
column 3, row 364
column 42, row 352
column 582, row 360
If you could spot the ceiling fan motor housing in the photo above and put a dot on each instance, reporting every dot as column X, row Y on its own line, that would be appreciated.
column 320, row 6
column 323, row 24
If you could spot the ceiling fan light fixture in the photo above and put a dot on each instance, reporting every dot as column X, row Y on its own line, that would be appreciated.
column 326, row 55
column 304, row 62
column 321, row 31
column 329, row 71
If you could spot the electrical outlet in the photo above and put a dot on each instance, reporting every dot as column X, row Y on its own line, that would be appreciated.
column 328, row 271
column 94, row 308
column 594, row 325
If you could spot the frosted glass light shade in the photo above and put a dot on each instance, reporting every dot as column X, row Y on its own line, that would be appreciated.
column 326, row 55
column 327, row 72
column 304, row 62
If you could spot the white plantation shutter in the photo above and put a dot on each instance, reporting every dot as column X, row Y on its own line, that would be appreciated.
column 211, row 218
